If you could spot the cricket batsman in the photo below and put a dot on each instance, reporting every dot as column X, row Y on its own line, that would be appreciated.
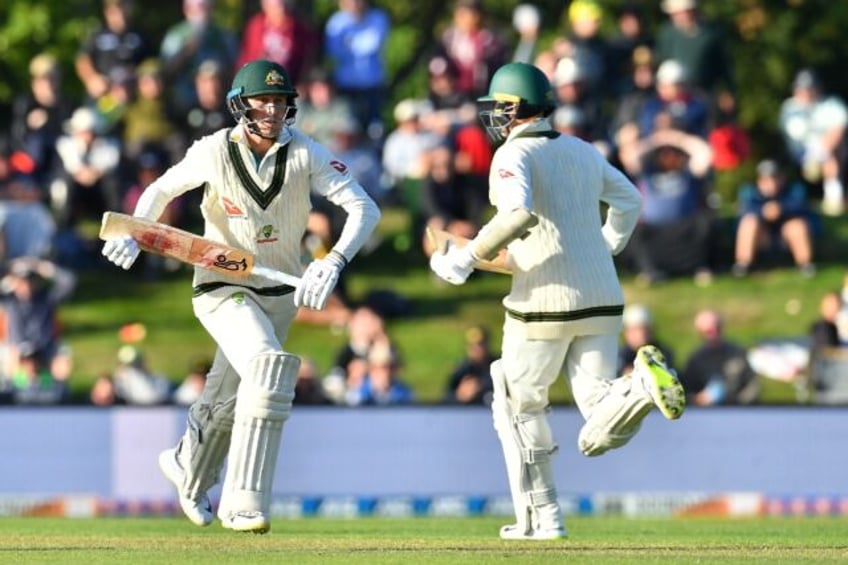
column 256, row 179
column 564, row 309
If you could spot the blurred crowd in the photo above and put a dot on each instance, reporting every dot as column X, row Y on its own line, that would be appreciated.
column 660, row 103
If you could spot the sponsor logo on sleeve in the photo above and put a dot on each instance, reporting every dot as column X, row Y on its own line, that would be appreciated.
column 232, row 210
column 505, row 174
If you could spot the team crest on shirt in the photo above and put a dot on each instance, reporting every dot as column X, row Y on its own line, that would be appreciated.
column 267, row 234
column 274, row 78
column 231, row 209
column 505, row 174
column 339, row 166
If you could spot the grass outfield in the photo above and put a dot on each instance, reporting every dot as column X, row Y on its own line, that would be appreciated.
column 424, row 540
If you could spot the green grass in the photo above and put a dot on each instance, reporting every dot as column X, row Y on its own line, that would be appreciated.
column 431, row 338
column 376, row 541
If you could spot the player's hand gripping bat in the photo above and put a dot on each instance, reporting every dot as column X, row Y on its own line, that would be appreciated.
column 440, row 239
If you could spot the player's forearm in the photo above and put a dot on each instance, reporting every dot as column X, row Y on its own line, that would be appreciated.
column 362, row 218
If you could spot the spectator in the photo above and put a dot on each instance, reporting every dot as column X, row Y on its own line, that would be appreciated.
column 354, row 39
column 27, row 228
column 103, row 392
column 442, row 202
column 279, row 34
column 638, row 330
column 674, row 99
column 473, row 48
column 526, row 20
column 364, row 328
column 189, row 390
column 572, row 90
column 308, row 389
column 717, row 372
column 631, row 35
column 321, row 108
column 584, row 44
column 38, row 115
column 191, row 42
column 88, row 182
column 450, row 108
column 382, row 383
column 31, row 379
column 112, row 105
column 824, row 332
column 34, row 290
column 359, row 156
column 210, row 112
column 150, row 120
column 470, row 382
column 773, row 211
column 699, row 45
column 406, row 147
column 675, row 234
column 135, row 382
column 116, row 43
column 813, row 126
column 624, row 129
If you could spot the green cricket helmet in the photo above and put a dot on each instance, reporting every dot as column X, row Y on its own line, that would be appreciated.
column 517, row 90
column 261, row 78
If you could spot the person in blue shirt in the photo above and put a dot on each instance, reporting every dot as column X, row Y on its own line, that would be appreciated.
column 382, row 384
column 354, row 39
column 772, row 211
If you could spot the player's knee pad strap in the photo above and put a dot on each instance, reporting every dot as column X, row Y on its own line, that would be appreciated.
column 614, row 420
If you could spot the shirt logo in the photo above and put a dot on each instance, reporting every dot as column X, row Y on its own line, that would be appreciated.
column 339, row 166
column 504, row 174
column 266, row 234
column 231, row 209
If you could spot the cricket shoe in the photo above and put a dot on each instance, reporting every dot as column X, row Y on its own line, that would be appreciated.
column 247, row 521
column 660, row 382
column 516, row 532
column 199, row 510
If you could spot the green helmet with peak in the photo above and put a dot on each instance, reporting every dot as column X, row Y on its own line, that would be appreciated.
column 517, row 90
column 260, row 78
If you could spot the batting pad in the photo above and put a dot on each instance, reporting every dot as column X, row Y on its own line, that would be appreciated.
column 615, row 419
column 263, row 404
column 204, row 445
column 527, row 445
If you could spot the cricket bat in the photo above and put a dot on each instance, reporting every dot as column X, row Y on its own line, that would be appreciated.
column 441, row 239
column 187, row 247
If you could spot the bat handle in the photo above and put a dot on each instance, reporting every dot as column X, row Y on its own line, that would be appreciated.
column 277, row 276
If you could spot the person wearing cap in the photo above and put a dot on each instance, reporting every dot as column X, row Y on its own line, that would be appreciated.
column 150, row 118
column 38, row 115
column 638, row 331
column 572, row 89
column 699, row 45
column 584, row 43
column 117, row 42
column 675, row 100
column 189, row 43
column 88, row 177
column 813, row 125
column 770, row 211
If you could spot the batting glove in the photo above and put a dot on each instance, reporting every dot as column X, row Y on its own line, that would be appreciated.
column 454, row 265
column 319, row 280
column 121, row 251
